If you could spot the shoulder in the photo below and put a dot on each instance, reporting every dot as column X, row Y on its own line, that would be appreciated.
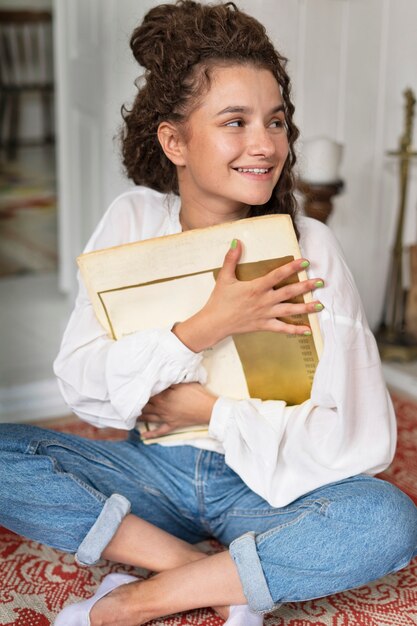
column 138, row 213
column 139, row 198
column 320, row 246
column 312, row 233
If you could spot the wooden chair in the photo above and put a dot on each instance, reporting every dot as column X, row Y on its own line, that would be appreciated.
column 25, row 66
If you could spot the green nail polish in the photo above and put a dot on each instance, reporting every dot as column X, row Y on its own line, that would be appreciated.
column 233, row 245
column 304, row 264
column 319, row 283
column 307, row 332
column 318, row 306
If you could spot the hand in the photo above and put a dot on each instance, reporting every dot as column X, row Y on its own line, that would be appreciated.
column 237, row 306
column 186, row 404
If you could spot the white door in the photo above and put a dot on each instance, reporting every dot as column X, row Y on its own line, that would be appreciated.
column 79, row 69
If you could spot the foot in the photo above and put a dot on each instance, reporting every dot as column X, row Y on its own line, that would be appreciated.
column 79, row 614
column 241, row 615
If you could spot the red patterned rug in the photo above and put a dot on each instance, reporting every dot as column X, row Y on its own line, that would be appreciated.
column 28, row 215
column 36, row 582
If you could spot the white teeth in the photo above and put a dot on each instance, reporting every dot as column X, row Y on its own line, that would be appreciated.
column 254, row 170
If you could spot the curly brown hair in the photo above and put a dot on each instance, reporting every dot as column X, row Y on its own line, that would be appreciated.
column 178, row 44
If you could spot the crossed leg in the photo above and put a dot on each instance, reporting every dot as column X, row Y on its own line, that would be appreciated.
column 186, row 585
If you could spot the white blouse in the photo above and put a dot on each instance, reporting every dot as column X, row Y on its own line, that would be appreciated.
column 281, row 452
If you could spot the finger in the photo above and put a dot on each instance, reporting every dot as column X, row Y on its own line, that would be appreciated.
column 228, row 270
column 286, row 309
column 288, row 292
column 277, row 276
column 279, row 326
column 164, row 429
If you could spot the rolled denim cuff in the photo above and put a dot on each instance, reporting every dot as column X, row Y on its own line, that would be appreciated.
column 245, row 556
column 103, row 530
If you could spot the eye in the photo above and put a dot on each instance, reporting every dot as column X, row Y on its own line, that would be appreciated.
column 235, row 123
column 279, row 123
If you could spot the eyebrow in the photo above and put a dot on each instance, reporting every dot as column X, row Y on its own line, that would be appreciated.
column 243, row 109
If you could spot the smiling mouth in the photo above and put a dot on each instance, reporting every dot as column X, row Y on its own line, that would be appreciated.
column 253, row 170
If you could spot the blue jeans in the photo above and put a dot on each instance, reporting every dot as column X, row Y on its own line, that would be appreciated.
column 72, row 493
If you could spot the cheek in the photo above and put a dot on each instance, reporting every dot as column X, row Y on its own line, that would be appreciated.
column 285, row 148
column 208, row 151
column 283, row 151
column 224, row 147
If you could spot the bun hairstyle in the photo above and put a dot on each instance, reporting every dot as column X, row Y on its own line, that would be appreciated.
column 178, row 45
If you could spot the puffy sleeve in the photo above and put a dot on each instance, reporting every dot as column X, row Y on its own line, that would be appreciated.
column 108, row 382
column 346, row 427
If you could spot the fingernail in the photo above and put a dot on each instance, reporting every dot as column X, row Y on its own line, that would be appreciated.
column 307, row 332
column 318, row 306
column 319, row 283
column 233, row 245
column 305, row 264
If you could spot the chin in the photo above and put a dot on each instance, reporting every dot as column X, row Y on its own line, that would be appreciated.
column 258, row 199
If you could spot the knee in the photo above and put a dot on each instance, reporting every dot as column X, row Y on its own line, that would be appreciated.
column 386, row 523
column 395, row 524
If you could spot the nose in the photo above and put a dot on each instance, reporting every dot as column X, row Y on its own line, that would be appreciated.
column 261, row 142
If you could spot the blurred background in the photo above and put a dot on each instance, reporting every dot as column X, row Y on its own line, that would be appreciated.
column 350, row 62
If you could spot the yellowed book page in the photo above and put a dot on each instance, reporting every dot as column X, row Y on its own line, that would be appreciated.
column 160, row 305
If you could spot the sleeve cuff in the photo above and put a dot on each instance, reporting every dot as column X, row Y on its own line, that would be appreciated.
column 175, row 345
column 221, row 417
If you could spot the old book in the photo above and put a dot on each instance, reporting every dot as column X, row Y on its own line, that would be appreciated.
column 157, row 282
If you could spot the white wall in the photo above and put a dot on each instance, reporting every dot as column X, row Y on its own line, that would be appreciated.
column 350, row 61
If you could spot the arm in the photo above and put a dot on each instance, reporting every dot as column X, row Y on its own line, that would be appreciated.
column 348, row 425
column 106, row 382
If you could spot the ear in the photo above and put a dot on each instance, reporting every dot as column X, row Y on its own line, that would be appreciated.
column 171, row 142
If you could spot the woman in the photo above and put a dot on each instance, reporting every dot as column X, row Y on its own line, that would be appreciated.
column 289, row 490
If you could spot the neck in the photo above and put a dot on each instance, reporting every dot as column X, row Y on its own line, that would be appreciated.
column 195, row 215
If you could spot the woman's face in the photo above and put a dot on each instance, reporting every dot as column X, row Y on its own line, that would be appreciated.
column 236, row 143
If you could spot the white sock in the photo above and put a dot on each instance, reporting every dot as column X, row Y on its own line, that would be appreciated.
column 241, row 615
